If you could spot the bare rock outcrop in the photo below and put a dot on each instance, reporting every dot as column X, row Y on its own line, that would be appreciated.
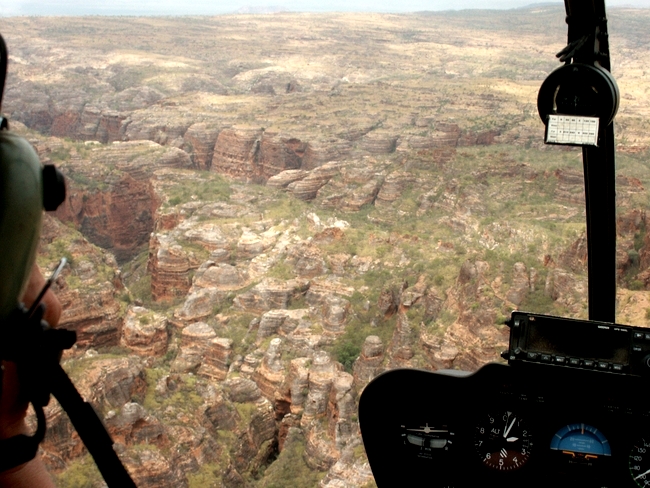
column 478, row 138
column 341, row 410
column 136, row 97
column 237, row 153
column 566, row 288
column 325, row 441
column 298, row 383
column 357, row 131
column 199, row 305
column 320, row 450
column 271, row 294
column 387, row 302
column 362, row 195
column 170, row 268
column 270, row 374
column 520, row 284
column 242, row 390
column 119, row 218
column 105, row 383
column 307, row 188
column 149, row 467
column 440, row 351
column 280, row 153
column 378, row 143
column 145, row 332
column 216, row 361
column 156, row 125
column 285, row 178
column 437, row 139
column 401, row 347
column 281, row 322
column 218, row 413
column 251, row 244
column 195, row 342
column 208, row 235
column 92, row 123
column 93, row 314
column 307, row 261
column 631, row 222
column 369, row 362
column 575, row 257
column 570, row 186
column 474, row 338
column 318, row 153
column 255, row 445
column 201, row 139
column 321, row 375
column 473, row 288
column 393, row 187
column 220, row 276
column 348, row 472
column 133, row 425
column 335, row 311
column 88, row 288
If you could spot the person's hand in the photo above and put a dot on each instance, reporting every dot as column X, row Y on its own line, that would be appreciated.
column 13, row 408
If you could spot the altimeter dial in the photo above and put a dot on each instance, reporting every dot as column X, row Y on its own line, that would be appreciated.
column 503, row 441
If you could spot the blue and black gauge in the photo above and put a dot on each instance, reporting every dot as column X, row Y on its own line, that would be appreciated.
column 583, row 443
column 639, row 462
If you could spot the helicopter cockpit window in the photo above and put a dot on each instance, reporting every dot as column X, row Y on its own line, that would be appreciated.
column 268, row 207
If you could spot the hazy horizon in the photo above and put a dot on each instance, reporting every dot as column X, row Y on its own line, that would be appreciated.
column 207, row 7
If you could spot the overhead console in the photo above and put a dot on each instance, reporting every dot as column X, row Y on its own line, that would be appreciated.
column 568, row 413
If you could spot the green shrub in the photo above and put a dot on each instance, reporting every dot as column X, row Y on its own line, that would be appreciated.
column 81, row 473
column 290, row 469
column 346, row 353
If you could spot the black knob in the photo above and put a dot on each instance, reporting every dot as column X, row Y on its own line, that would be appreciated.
column 646, row 362
column 53, row 187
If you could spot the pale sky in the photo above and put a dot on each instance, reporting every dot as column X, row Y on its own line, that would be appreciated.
column 211, row 7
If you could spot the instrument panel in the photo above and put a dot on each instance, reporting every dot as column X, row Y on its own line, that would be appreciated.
column 529, row 425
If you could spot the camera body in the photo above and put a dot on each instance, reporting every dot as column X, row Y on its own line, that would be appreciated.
column 21, row 211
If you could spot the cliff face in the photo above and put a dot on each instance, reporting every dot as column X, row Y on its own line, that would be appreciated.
column 119, row 219
column 112, row 200
column 89, row 288
column 170, row 268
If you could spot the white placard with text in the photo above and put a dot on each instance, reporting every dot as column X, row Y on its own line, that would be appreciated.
column 572, row 129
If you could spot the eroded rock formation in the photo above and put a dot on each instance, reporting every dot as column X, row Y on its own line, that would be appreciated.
column 145, row 332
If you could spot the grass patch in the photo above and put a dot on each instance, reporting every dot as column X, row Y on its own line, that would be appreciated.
column 290, row 469
column 208, row 476
column 141, row 289
column 80, row 473
column 153, row 375
column 211, row 188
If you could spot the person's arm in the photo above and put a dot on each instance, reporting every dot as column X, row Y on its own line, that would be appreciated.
column 13, row 409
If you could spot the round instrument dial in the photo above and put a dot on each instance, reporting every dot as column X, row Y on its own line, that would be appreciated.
column 503, row 441
column 427, row 441
column 639, row 462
